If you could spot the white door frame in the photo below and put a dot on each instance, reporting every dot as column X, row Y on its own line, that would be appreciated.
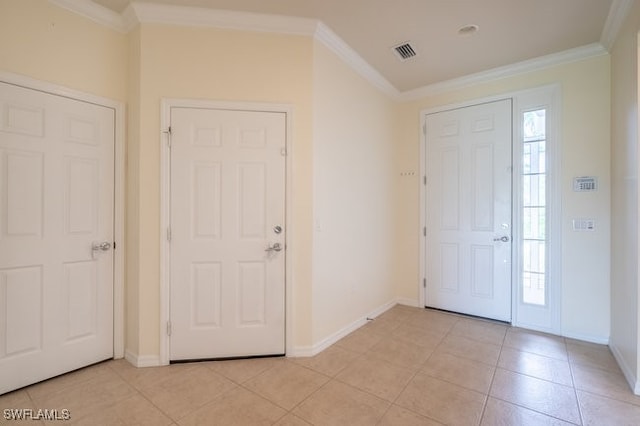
column 119, row 189
column 165, row 207
column 554, row 195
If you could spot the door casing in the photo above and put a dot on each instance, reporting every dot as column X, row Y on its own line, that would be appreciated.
column 119, row 189
column 165, row 206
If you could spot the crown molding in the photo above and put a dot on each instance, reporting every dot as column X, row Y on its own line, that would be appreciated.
column 536, row 64
column 94, row 12
column 617, row 14
column 140, row 12
column 334, row 43
column 149, row 13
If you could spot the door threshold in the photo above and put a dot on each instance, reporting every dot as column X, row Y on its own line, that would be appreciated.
column 462, row 314
column 226, row 358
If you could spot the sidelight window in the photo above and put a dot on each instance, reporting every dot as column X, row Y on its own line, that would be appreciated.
column 534, row 207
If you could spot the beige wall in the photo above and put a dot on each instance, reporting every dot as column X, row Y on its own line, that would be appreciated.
column 625, row 319
column 44, row 42
column 205, row 63
column 353, row 246
column 585, row 151
column 132, row 273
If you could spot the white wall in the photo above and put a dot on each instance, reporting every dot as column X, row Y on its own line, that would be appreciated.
column 625, row 318
column 352, row 196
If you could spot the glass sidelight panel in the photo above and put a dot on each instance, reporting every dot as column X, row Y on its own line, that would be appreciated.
column 534, row 207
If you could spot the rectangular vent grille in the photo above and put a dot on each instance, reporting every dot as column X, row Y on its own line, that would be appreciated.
column 404, row 51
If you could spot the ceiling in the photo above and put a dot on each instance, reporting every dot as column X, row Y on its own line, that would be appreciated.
column 509, row 31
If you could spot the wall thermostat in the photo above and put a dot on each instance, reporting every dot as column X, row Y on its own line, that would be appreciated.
column 585, row 184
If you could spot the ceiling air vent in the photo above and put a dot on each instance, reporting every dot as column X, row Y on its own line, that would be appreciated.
column 404, row 51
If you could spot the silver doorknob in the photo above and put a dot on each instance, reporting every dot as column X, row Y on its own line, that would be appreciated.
column 274, row 247
column 504, row 239
column 99, row 246
column 102, row 246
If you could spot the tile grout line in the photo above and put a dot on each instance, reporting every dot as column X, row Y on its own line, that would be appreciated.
column 573, row 382
column 493, row 377
column 415, row 373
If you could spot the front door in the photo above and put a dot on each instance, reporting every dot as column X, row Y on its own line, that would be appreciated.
column 56, row 235
column 228, row 229
column 468, row 210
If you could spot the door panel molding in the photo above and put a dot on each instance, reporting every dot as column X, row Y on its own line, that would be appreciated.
column 119, row 187
column 81, row 134
column 165, row 202
column 475, row 187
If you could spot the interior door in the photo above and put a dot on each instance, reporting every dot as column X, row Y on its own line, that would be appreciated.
column 468, row 210
column 56, row 205
column 227, row 233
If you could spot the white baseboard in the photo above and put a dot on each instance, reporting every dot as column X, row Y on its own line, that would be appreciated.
column 633, row 381
column 142, row 360
column 415, row 303
column 308, row 351
column 587, row 338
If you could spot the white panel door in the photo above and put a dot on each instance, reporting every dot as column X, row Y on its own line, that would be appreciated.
column 227, row 233
column 468, row 210
column 56, row 202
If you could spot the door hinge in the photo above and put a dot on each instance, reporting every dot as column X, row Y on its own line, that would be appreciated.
column 169, row 234
column 424, row 129
column 424, row 231
column 424, row 180
column 424, row 283
column 168, row 328
column 168, row 133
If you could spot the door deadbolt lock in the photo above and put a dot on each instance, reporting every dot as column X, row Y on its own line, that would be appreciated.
column 504, row 239
column 277, row 229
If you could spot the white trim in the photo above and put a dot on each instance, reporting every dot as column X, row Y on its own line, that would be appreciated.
column 119, row 258
column 308, row 351
column 119, row 190
column 165, row 205
column 94, row 12
column 142, row 360
column 414, row 303
column 531, row 65
column 244, row 21
column 617, row 14
column 165, row 221
column 338, row 46
column 227, row 19
column 599, row 340
column 546, row 318
column 137, row 13
column 634, row 382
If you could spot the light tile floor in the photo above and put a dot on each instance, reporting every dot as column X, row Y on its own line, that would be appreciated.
column 407, row 367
